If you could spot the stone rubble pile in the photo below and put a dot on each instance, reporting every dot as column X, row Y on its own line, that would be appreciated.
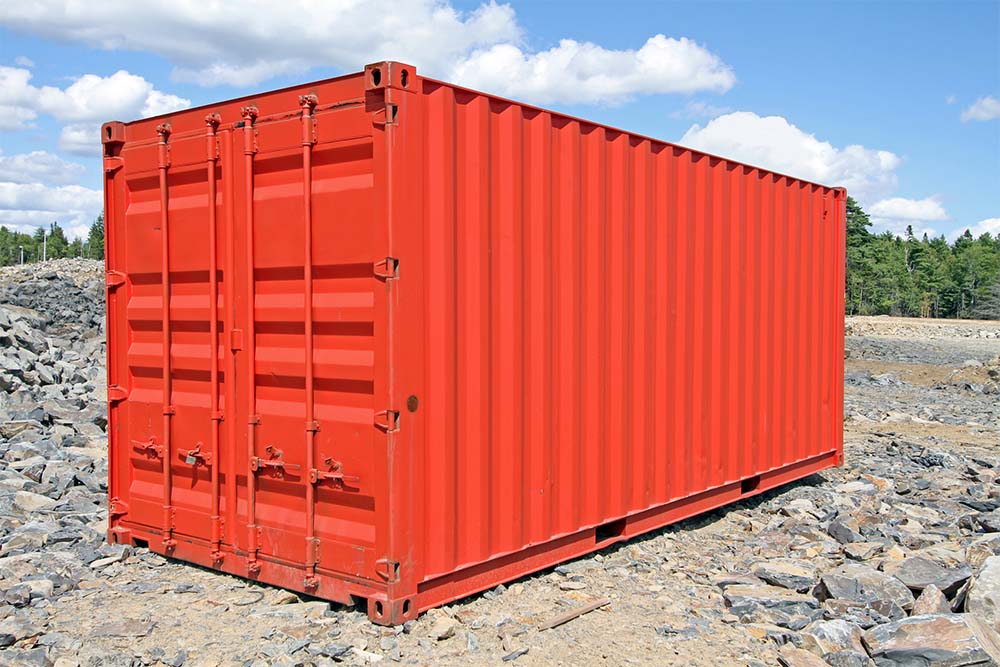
column 902, row 327
column 892, row 560
column 901, row 567
column 53, row 458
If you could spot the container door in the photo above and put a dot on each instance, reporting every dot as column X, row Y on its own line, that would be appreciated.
column 164, row 439
column 313, row 503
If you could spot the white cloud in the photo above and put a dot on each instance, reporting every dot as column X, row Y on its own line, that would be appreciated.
column 909, row 209
column 773, row 143
column 39, row 167
column 89, row 99
column 985, row 108
column 83, row 105
column 15, row 117
column 582, row 72
column 38, row 188
column 24, row 61
column 27, row 205
column 81, row 139
column 210, row 44
column 898, row 213
column 93, row 98
column 481, row 48
column 16, row 98
column 989, row 225
column 951, row 99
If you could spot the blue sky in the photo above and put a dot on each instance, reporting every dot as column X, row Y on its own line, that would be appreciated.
column 899, row 101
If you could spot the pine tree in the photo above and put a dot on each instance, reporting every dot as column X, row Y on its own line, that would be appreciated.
column 95, row 239
column 58, row 244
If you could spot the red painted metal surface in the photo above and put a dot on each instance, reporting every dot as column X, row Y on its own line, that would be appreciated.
column 383, row 337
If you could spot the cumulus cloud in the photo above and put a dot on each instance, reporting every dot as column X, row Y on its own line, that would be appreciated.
column 582, row 72
column 773, row 143
column 896, row 214
column 26, row 205
column 207, row 46
column 909, row 209
column 985, row 108
column 89, row 99
column 24, row 61
column 988, row 226
column 39, row 167
column 83, row 105
column 81, row 139
column 15, row 117
column 480, row 48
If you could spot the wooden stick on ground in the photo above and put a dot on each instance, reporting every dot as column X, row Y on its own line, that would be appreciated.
column 573, row 613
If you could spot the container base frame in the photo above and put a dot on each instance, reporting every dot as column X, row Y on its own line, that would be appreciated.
column 387, row 607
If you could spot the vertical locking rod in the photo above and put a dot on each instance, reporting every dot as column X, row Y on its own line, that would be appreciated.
column 163, row 163
column 308, row 102
column 249, row 148
column 212, row 121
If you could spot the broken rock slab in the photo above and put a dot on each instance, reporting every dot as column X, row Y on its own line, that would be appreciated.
column 918, row 573
column 743, row 599
column 860, row 583
column 931, row 601
column 981, row 549
column 790, row 656
column 794, row 575
column 952, row 640
column 983, row 597
column 847, row 659
column 824, row 637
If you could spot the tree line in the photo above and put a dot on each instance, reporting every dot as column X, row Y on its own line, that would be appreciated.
column 51, row 242
column 926, row 277
column 886, row 274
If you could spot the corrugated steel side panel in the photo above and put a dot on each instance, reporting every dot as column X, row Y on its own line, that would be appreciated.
column 612, row 324
column 532, row 336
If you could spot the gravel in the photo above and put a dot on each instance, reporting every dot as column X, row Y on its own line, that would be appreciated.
column 892, row 559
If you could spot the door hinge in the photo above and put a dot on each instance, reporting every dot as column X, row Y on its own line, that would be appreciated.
column 117, row 507
column 387, row 421
column 387, row 269
column 236, row 339
column 386, row 115
column 116, row 393
column 388, row 569
column 114, row 279
column 113, row 164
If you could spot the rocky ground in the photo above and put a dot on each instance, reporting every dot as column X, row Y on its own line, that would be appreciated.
column 891, row 560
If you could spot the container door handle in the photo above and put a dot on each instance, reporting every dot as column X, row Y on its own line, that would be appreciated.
column 335, row 474
column 149, row 448
column 193, row 457
column 275, row 463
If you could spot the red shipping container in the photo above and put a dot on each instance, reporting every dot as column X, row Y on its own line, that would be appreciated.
column 384, row 337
